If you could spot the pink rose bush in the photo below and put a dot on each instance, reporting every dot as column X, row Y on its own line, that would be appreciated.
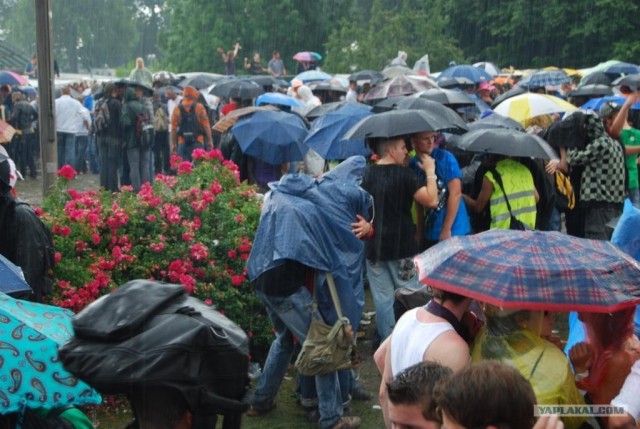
column 195, row 229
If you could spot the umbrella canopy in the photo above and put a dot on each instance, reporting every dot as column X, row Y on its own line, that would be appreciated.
column 165, row 76
column 268, row 80
column 632, row 81
column 328, row 86
column 590, row 90
column 312, row 76
column 448, row 97
column 599, row 78
column 11, row 78
column 533, row 270
column 510, row 93
column 307, row 56
column 274, row 137
column 397, row 123
column 148, row 92
column 244, row 89
column 456, row 124
column 528, row 105
column 323, row 109
column 474, row 74
column 11, row 277
column 542, row 78
column 455, row 82
column 6, row 132
column 615, row 68
column 398, row 70
column 232, row 117
column 595, row 103
column 326, row 135
column 198, row 80
column 31, row 375
column 400, row 85
column 278, row 99
column 495, row 120
column 505, row 141
column 490, row 68
column 366, row 75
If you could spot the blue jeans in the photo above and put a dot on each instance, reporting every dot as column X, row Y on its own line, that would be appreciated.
column 66, row 149
column 139, row 170
column 92, row 155
column 384, row 280
column 82, row 141
column 291, row 316
column 187, row 149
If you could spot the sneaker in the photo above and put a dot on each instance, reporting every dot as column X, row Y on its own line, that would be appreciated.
column 347, row 423
column 257, row 412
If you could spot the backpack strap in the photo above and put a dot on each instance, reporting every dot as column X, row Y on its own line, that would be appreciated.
column 498, row 179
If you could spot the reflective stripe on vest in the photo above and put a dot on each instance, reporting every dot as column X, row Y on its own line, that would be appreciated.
column 518, row 184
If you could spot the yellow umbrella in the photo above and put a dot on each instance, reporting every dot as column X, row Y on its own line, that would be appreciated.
column 528, row 105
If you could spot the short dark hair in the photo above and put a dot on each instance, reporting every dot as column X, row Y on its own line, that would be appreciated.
column 415, row 385
column 448, row 296
column 487, row 393
column 158, row 407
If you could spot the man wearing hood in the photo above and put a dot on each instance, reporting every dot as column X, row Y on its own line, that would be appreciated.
column 190, row 126
column 138, row 157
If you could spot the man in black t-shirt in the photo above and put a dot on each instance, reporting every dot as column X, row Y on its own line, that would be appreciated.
column 394, row 188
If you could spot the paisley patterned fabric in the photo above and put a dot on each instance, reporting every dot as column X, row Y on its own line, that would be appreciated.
column 31, row 376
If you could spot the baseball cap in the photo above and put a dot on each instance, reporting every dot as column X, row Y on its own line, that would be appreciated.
column 608, row 108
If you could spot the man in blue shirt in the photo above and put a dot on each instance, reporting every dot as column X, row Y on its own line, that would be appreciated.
column 450, row 217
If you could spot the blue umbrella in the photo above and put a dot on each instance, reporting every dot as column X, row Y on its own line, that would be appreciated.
column 595, row 103
column 11, row 277
column 542, row 78
column 326, row 134
column 475, row 74
column 278, row 99
column 274, row 137
column 313, row 76
column 31, row 376
column 621, row 69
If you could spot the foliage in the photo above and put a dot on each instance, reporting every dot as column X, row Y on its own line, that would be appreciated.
column 195, row 229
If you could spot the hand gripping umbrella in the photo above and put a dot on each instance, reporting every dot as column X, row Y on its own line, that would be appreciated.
column 533, row 270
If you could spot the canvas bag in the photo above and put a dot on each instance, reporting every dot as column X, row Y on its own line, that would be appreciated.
column 327, row 348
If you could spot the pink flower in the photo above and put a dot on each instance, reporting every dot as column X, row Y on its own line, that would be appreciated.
column 95, row 238
column 157, row 247
column 187, row 237
column 199, row 154
column 215, row 188
column 67, row 172
column 245, row 245
column 175, row 160
column 38, row 211
column 171, row 213
column 237, row 280
column 216, row 154
column 240, row 218
column 64, row 231
column 198, row 252
column 208, row 301
column 57, row 257
column 185, row 167
column 232, row 254
column 151, row 218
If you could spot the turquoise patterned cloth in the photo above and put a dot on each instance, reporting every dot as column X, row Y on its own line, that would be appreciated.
column 31, row 376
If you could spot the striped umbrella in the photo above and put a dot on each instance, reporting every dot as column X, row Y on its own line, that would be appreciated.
column 528, row 105
column 542, row 78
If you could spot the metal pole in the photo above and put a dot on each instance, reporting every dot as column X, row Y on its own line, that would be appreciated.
column 48, row 144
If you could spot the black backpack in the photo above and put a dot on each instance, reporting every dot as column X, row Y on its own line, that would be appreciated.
column 144, row 130
column 102, row 116
column 189, row 127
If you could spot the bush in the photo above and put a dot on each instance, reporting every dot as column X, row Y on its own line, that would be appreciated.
column 195, row 229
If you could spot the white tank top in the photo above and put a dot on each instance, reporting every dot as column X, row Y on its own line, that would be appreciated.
column 411, row 339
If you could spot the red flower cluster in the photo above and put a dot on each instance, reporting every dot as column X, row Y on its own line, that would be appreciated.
column 67, row 172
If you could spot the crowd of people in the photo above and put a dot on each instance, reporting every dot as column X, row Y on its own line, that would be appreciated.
column 450, row 362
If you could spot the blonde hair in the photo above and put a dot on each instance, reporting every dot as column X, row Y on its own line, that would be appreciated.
column 542, row 121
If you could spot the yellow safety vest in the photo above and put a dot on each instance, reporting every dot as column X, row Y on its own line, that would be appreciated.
column 518, row 184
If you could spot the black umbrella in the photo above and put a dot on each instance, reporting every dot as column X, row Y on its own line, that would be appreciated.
column 328, row 86
column 455, row 82
column 455, row 123
column 592, row 89
column 200, row 80
column 511, row 93
column 599, row 78
column 495, row 120
column 163, row 89
column 323, row 109
column 397, row 123
column 237, row 88
column 268, row 80
column 447, row 97
column 366, row 75
column 503, row 141
column 148, row 92
column 632, row 81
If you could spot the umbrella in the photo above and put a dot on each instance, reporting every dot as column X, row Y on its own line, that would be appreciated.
column 6, row 132
column 495, row 120
column 232, row 117
column 323, row 109
column 490, row 68
column 274, row 137
column 621, row 68
column 590, row 90
column 632, row 81
column 328, row 86
column 542, row 78
column 268, row 80
column 163, row 89
column 31, row 375
column 528, row 105
column 165, row 76
column 533, row 270
column 366, row 75
column 599, row 78
column 516, row 90
column 237, row 88
column 148, row 92
column 447, row 115
column 326, row 134
column 400, row 85
column 475, row 74
column 307, row 56
column 198, row 80
column 448, row 97
column 398, row 70
column 505, row 141
column 312, row 76
column 279, row 99
column 595, row 103
column 455, row 82
column 11, row 277
column 11, row 78
column 397, row 123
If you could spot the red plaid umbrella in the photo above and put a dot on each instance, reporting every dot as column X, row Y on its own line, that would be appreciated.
column 534, row 270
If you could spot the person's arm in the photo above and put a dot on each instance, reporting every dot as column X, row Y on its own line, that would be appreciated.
column 479, row 204
column 591, row 153
column 236, row 48
column 247, row 65
column 453, row 203
column 629, row 399
column 362, row 228
column 387, row 376
column 428, row 195
column 622, row 116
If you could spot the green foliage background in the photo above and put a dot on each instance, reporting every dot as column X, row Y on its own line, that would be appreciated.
column 182, row 35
